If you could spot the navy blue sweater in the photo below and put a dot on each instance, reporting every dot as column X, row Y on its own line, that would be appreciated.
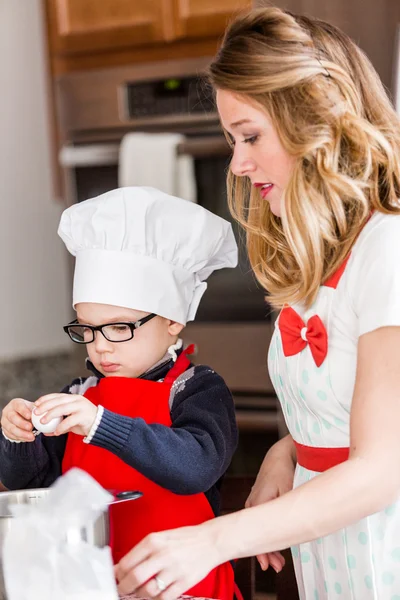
column 189, row 457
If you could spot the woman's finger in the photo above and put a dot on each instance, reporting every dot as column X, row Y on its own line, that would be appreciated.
column 277, row 561
column 156, row 587
column 273, row 559
column 133, row 569
column 134, row 579
column 175, row 590
column 263, row 561
column 136, row 556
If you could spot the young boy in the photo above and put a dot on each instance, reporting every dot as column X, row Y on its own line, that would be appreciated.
column 146, row 419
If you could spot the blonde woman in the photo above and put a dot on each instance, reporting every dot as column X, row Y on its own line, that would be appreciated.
column 315, row 181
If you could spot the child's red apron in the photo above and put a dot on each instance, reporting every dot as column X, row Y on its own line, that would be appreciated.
column 158, row 509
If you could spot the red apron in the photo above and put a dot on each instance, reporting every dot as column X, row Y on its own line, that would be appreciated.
column 158, row 509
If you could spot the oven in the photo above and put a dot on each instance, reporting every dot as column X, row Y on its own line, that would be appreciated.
column 233, row 325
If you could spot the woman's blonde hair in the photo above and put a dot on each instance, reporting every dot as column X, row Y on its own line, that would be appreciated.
column 333, row 115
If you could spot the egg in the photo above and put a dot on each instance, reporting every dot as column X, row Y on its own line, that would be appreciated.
column 45, row 427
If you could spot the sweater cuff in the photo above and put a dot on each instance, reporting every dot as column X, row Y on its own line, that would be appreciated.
column 13, row 448
column 93, row 429
column 112, row 432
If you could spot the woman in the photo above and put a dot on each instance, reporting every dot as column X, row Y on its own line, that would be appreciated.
column 315, row 181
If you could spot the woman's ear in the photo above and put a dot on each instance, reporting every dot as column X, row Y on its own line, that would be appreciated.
column 175, row 328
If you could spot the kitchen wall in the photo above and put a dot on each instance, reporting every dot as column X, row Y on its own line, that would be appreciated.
column 34, row 274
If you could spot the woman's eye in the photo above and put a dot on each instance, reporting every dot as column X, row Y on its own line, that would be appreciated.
column 251, row 140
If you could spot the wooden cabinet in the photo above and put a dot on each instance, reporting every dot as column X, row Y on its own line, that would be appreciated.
column 204, row 18
column 79, row 26
column 99, row 33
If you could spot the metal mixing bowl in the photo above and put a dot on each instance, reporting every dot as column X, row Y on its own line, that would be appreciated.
column 97, row 533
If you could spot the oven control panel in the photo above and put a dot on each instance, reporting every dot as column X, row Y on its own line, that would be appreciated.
column 170, row 96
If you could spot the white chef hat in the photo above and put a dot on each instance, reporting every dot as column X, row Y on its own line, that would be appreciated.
column 140, row 248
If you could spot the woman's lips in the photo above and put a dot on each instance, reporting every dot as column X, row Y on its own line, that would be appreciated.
column 264, row 188
column 109, row 367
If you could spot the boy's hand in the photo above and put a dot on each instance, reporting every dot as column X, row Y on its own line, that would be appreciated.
column 16, row 420
column 80, row 413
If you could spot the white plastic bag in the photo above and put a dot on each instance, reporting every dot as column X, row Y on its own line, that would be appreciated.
column 43, row 555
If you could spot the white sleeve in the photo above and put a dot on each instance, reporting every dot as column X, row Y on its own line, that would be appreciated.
column 374, row 278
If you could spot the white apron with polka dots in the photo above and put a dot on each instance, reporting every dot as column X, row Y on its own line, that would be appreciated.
column 360, row 562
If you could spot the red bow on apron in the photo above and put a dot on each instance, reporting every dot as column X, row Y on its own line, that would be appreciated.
column 159, row 509
column 296, row 335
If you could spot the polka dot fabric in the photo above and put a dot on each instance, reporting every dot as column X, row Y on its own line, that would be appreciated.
column 361, row 562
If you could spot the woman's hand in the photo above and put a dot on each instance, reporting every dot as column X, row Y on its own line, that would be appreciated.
column 80, row 413
column 276, row 474
column 16, row 420
column 274, row 479
column 179, row 558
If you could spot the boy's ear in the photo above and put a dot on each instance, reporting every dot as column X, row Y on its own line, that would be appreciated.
column 175, row 328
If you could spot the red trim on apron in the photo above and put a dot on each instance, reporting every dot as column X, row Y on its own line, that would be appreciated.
column 334, row 279
column 320, row 459
column 159, row 509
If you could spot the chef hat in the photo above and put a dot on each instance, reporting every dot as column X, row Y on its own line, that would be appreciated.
column 140, row 248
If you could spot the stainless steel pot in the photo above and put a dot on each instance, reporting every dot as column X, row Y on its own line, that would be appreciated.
column 97, row 533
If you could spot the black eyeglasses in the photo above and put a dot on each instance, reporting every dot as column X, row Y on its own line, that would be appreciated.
column 113, row 332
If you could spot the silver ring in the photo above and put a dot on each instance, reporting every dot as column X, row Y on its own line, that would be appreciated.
column 160, row 583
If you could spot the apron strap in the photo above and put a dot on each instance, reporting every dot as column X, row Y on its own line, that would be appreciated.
column 180, row 366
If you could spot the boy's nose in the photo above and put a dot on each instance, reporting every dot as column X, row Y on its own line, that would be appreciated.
column 101, row 344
